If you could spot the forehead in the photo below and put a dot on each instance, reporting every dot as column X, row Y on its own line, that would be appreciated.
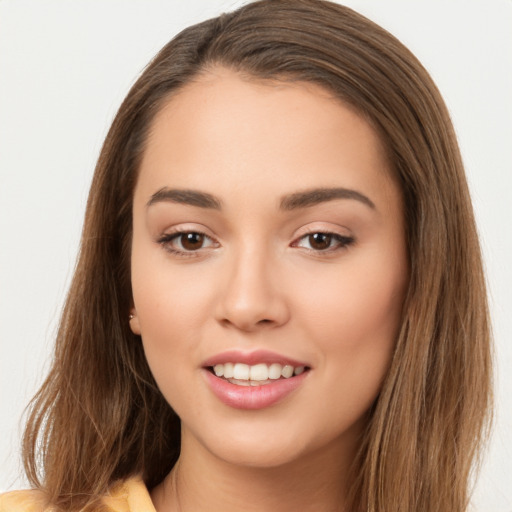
column 224, row 127
column 226, row 99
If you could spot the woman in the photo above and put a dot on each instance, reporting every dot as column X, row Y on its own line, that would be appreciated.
column 279, row 297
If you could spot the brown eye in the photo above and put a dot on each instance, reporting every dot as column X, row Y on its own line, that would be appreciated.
column 320, row 241
column 324, row 242
column 187, row 242
column 191, row 241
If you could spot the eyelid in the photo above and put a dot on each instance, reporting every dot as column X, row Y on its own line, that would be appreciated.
column 344, row 240
column 174, row 232
column 327, row 228
column 186, row 227
column 165, row 239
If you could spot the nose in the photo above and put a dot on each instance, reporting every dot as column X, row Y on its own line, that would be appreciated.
column 250, row 296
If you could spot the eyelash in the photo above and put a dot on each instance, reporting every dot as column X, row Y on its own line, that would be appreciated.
column 342, row 242
column 166, row 240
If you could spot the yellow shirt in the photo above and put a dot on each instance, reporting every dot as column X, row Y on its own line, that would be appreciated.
column 128, row 496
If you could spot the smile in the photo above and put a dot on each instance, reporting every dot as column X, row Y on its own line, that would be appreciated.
column 260, row 374
column 253, row 380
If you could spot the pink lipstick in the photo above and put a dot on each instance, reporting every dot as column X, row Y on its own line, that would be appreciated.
column 253, row 380
column 251, row 358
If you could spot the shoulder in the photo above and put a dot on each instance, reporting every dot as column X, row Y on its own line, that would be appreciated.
column 23, row 501
column 129, row 495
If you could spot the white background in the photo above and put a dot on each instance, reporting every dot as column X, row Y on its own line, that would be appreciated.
column 65, row 66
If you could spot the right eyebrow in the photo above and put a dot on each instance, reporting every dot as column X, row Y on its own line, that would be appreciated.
column 189, row 197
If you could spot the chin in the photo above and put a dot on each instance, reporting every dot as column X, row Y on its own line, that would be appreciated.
column 273, row 445
column 258, row 455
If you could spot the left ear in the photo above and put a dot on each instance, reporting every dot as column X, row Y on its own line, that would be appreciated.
column 134, row 321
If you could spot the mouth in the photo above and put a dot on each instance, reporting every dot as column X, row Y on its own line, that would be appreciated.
column 254, row 380
column 261, row 374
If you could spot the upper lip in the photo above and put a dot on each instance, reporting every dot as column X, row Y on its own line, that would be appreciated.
column 251, row 358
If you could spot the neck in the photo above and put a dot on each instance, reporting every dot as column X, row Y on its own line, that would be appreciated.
column 202, row 481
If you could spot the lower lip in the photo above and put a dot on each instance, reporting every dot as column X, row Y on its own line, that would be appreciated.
column 253, row 397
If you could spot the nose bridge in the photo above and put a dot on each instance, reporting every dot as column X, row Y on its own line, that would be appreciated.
column 250, row 297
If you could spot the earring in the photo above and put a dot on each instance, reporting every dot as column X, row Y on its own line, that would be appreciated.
column 131, row 316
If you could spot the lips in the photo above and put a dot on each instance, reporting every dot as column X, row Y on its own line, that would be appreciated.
column 252, row 358
column 253, row 380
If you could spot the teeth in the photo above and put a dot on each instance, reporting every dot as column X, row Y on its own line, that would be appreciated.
column 274, row 371
column 299, row 370
column 257, row 374
column 287, row 371
column 241, row 371
column 228, row 370
column 240, row 382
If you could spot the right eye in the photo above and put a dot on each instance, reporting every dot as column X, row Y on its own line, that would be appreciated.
column 186, row 242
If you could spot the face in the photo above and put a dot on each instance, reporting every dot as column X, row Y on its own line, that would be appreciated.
column 268, row 248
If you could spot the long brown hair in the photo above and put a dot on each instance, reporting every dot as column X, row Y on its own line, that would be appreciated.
column 99, row 416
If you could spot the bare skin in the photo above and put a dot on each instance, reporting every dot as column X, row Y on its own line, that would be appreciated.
column 233, row 251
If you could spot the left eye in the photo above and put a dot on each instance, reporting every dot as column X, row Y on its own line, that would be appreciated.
column 323, row 241
column 189, row 241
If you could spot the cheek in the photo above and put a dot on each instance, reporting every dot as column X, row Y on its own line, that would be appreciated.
column 167, row 304
column 168, row 297
column 167, row 313
column 169, row 337
column 356, row 307
column 173, row 303
column 355, row 318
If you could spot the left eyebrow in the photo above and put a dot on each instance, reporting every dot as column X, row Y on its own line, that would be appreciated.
column 316, row 196
column 184, row 196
